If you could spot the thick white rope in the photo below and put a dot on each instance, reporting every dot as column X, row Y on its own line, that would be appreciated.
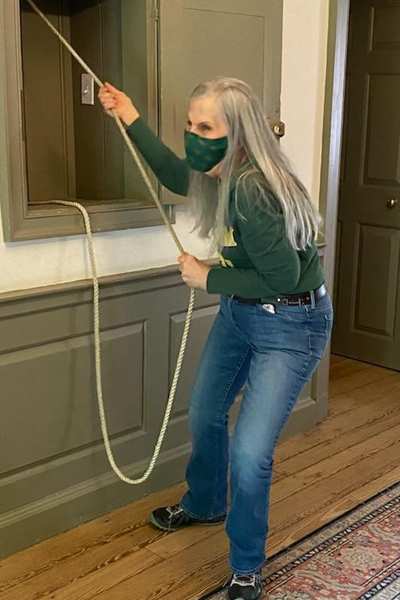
column 96, row 312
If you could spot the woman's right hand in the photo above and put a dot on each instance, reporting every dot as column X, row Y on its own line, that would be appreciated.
column 111, row 98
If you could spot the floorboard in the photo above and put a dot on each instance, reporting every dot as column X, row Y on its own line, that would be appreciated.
column 320, row 474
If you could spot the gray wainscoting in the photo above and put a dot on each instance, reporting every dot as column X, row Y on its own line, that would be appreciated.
column 54, row 472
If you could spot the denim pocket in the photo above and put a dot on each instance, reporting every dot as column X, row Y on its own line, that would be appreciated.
column 292, row 314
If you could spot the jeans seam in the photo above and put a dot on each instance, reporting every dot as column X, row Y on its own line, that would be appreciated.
column 234, row 321
column 306, row 325
column 328, row 326
column 295, row 394
column 241, row 572
column 228, row 388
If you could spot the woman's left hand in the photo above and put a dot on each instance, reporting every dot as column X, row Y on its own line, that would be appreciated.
column 194, row 272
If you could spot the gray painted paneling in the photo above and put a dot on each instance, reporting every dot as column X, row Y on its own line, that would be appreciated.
column 201, row 323
column 54, row 472
column 50, row 395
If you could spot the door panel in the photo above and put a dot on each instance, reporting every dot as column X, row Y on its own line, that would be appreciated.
column 382, row 139
column 367, row 295
column 378, row 258
column 51, row 158
column 201, row 39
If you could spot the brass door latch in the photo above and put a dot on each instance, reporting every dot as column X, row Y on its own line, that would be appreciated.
column 278, row 128
column 391, row 203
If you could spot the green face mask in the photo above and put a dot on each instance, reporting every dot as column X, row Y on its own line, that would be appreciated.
column 202, row 153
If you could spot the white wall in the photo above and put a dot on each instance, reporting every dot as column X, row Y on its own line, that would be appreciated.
column 32, row 264
column 305, row 32
column 37, row 263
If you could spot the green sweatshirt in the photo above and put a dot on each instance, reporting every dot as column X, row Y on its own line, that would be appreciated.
column 257, row 260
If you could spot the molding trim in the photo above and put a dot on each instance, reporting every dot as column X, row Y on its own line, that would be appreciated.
column 332, row 127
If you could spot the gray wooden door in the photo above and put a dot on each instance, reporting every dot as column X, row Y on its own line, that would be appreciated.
column 201, row 39
column 48, row 123
column 367, row 283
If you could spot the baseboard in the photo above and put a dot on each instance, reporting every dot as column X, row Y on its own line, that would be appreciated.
column 80, row 503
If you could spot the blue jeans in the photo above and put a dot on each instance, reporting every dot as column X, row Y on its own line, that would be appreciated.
column 273, row 356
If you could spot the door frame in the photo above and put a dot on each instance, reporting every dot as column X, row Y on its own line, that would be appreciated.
column 335, row 79
column 332, row 128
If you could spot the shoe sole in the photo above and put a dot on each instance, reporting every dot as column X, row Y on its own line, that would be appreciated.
column 241, row 598
column 226, row 585
column 154, row 522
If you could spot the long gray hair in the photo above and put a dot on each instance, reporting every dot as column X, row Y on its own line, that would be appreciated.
column 250, row 137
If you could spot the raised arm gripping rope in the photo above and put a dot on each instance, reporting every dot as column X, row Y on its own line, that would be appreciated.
column 96, row 286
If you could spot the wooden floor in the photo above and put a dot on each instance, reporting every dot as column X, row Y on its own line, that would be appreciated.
column 319, row 475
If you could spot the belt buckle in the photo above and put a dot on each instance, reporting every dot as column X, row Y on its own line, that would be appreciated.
column 298, row 302
column 291, row 302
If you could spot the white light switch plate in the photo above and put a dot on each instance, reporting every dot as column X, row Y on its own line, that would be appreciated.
column 87, row 89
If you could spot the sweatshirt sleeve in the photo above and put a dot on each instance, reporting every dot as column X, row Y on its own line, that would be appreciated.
column 276, row 266
column 170, row 170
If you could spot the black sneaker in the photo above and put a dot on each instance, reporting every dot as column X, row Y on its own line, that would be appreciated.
column 245, row 587
column 172, row 518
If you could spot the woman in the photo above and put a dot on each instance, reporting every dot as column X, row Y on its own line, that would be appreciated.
column 275, row 315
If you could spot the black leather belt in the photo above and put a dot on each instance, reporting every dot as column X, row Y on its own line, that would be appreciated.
column 291, row 300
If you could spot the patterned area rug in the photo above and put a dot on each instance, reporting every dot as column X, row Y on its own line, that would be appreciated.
column 356, row 557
